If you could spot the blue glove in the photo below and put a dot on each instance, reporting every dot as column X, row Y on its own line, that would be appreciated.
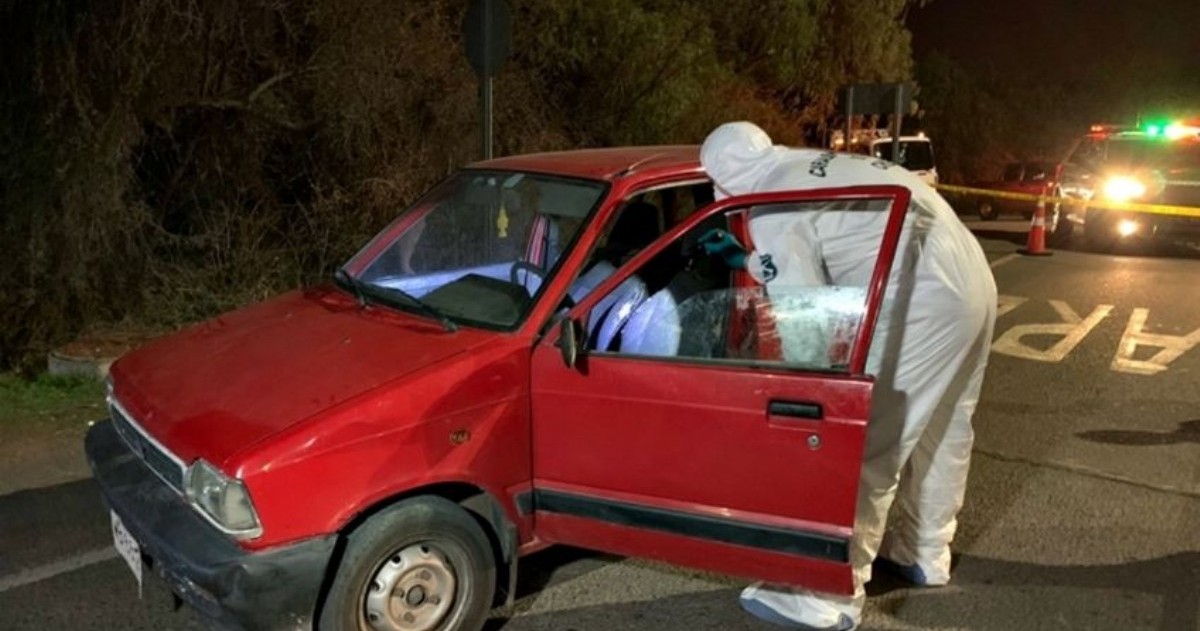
column 720, row 244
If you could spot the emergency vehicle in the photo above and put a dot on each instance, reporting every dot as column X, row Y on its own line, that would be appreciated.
column 1155, row 163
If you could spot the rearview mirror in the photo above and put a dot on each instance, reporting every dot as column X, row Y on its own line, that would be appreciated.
column 569, row 339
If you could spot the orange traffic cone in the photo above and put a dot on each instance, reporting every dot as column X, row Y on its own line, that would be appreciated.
column 1036, row 243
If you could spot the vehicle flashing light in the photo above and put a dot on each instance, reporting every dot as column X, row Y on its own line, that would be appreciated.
column 1123, row 188
column 1179, row 130
column 1170, row 131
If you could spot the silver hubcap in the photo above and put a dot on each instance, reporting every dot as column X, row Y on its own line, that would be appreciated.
column 411, row 591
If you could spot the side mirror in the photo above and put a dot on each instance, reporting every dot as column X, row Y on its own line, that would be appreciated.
column 569, row 340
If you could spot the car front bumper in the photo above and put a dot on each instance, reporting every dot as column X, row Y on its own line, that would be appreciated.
column 273, row 589
column 1151, row 225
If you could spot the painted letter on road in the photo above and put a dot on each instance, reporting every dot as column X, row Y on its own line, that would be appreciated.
column 1172, row 347
column 1072, row 330
column 1004, row 304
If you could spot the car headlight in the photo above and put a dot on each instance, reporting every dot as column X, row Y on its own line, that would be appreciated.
column 1123, row 188
column 221, row 499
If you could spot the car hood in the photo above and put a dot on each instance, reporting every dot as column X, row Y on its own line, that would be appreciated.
column 217, row 388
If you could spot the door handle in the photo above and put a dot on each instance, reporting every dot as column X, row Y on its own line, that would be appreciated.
column 796, row 409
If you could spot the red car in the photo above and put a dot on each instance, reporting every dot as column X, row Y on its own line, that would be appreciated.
column 1025, row 178
column 535, row 353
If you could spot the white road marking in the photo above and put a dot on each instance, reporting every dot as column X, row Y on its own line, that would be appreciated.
column 1004, row 304
column 50, row 570
column 1072, row 330
column 1004, row 259
column 1173, row 346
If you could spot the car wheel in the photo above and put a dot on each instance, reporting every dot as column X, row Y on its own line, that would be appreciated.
column 423, row 564
column 987, row 211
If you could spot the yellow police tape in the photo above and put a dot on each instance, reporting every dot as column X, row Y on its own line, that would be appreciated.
column 1157, row 209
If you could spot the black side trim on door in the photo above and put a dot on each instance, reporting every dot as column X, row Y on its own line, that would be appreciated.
column 752, row 535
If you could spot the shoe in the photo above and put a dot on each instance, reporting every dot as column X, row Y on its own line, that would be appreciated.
column 911, row 573
column 764, row 612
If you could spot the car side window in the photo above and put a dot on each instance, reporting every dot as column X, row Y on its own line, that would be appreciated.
column 638, row 223
column 797, row 297
column 1012, row 172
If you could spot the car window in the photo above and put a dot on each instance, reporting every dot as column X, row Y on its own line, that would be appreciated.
column 798, row 300
column 1035, row 171
column 1089, row 154
column 1154, row 153
column 478, row 247
column 1012, row 172
column 638, row 223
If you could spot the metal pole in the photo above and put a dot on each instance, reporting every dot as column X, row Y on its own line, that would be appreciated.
column 849, row 114
column 896, row 124
column 485, row 106
column 485, row 82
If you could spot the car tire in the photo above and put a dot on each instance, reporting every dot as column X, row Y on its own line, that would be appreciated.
column 423, row 564
column 987, row 211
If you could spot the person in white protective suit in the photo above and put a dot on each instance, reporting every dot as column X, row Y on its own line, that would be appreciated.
column 928, row 355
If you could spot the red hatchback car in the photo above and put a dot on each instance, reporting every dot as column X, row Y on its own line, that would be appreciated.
column 537, row 352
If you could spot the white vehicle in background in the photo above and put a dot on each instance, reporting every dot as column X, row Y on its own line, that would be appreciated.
column 916, row 151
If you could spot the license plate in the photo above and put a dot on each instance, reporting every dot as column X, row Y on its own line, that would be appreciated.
column 128, row 548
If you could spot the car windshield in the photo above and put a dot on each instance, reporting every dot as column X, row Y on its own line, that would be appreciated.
column 915, row 155
column 477, row 249
column 1154, row 153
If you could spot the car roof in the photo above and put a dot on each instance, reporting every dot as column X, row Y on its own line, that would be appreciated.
column 601, row 164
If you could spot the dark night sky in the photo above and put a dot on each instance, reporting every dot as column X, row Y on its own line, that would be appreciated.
column 1062, row 38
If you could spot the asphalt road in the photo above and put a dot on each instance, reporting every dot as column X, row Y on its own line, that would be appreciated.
column 1083, row 510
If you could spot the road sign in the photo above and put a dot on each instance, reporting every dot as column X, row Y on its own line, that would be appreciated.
column 487, row 35
column 488, row 40
column 875, row 98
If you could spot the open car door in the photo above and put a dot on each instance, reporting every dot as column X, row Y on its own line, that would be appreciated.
column 697, row 439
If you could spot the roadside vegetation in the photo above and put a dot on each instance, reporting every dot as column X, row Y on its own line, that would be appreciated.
column 48, row 402
column 165, row 160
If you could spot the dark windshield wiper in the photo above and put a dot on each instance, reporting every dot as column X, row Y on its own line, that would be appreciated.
column 364, row 291
column 350, row 284
column 422, row 306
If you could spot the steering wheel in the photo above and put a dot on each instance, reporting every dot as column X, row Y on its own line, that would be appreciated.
column 528, row 268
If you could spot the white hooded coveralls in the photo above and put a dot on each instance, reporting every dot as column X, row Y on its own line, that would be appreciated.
column 928, row 354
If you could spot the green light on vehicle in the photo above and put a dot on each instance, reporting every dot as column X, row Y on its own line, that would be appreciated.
column 1154, row 130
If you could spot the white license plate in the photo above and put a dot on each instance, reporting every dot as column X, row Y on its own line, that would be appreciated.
column 128, row 548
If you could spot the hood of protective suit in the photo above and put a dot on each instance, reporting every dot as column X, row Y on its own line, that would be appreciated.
column 736, row 156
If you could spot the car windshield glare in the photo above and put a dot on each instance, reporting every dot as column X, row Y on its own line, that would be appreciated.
column 478, row 248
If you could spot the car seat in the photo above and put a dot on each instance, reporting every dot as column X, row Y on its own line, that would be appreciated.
column 635, row 228
column 612, row 311
column 684, row 318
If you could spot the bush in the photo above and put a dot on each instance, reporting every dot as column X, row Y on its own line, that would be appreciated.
column 164, row 160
